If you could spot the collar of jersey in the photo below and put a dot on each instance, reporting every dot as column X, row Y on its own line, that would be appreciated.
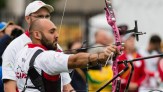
column 30, row 45
column 27, row 33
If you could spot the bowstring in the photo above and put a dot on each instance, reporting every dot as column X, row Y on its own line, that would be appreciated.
column 60, row 27
column 63, row 14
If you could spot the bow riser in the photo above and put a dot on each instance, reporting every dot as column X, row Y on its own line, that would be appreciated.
column 112, row 22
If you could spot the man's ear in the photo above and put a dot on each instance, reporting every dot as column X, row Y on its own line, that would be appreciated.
column 27, row 18
column 37, row 35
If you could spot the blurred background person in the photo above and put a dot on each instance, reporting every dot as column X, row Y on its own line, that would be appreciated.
column 34, row 10
column 78, row 75
column 154, row 48
column 102, row 38
column 98, row 75
column 8, row 32
column 160, row 71
column 130, row 52
column 161, row 46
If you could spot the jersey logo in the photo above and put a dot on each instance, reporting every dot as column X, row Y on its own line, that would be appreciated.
column 20, row 74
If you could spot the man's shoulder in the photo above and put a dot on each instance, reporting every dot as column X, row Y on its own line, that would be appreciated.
column 17, row 44
column 27, row 51
column 21, row 40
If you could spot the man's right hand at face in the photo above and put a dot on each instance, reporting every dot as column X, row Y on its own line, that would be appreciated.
column 10, row 28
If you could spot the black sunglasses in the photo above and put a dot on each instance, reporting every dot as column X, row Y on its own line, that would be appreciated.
column 41, row 16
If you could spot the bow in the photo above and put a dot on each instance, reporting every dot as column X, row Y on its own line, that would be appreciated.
column 116, row 82
column 112, row 22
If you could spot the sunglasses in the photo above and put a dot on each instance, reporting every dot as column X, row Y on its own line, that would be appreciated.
column 41, row 16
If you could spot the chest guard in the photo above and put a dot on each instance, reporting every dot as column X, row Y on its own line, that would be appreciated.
column 43, row 82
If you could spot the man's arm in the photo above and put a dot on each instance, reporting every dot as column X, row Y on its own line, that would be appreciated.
column 9, row 85
column 56, row 63
column 82, row 60
column 66, row 81
column 68, row 88
column 8, row 74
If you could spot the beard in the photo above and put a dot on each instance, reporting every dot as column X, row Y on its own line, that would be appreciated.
column 49, row 45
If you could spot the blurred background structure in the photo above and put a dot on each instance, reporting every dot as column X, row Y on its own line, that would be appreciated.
column 79, row 23
column 75, row 20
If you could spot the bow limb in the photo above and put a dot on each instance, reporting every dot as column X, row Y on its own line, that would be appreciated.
column 67, row 87
column 112, row 22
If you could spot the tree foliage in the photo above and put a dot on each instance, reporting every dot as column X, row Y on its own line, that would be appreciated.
column 2, row 4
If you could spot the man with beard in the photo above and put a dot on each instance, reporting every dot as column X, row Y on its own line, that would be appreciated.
column 35, row 10
column 49, row 63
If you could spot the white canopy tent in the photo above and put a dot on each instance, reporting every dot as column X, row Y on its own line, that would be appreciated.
column 97, row 22
column 148, row 13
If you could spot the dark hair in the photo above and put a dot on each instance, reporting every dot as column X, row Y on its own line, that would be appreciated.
column 15, row 33
column 155, row 39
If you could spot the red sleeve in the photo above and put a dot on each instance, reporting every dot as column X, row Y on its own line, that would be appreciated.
column 121, row 58
column 142, row 73
column 124, row 76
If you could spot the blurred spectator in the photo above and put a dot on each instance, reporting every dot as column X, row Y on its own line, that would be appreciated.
column 98, row 76
column 78, row 75
column 160, row 70
column 1, row 83
column 154, row 48
column 129, row 53
column 34, row 10
column 8, row 32
column 161, row 46
column 102, row 38
column 154, row 44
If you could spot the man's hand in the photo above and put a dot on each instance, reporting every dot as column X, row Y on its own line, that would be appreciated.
column 133, row 86
column 111, row 49
column 9, row 86
column 10, row 28
column 68, row 88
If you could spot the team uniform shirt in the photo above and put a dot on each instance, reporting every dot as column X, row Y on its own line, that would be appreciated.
column 151, row 67
column 139, row 70
column 151, row 64
column 50, row 62
column 9, row 56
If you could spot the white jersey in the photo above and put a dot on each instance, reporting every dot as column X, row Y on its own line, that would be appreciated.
column 51, row 62
column 9, row 56
column 151, row 65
